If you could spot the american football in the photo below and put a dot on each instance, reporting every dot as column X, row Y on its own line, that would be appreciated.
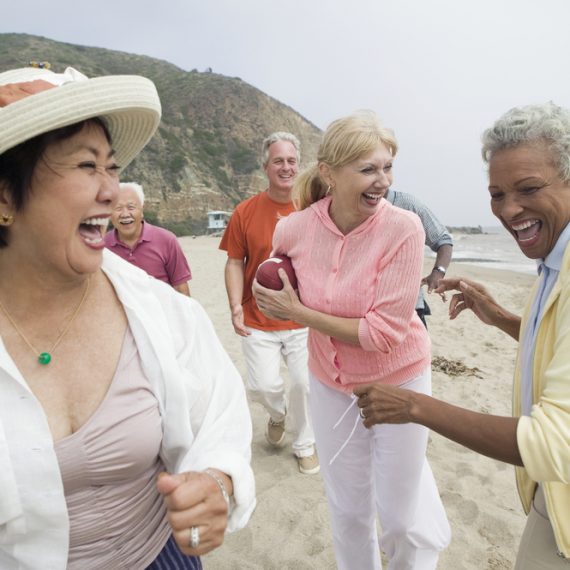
column 268, row 276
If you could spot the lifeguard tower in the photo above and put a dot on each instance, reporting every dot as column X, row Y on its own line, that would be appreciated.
column 217, row 220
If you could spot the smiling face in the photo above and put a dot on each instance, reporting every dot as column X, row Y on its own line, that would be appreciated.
column 127, row 216
column 529, row 198
column 61, row 225
column 281, row 168
column 358, row 187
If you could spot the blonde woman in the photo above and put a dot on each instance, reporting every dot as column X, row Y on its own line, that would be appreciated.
column 358, row 260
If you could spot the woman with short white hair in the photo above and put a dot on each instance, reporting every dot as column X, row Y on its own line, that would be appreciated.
column 528, row 152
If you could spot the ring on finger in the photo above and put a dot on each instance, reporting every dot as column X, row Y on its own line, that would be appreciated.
column 194, row 537
column 362, row 413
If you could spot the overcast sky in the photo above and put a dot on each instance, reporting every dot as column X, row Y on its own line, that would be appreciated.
column 436, row 71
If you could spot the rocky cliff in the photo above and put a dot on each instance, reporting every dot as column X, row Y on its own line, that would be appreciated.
column 206, row 153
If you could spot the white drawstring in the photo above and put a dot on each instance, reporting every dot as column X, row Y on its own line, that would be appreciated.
column 354, row 401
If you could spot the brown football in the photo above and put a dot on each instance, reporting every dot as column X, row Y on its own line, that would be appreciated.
column 268, row 276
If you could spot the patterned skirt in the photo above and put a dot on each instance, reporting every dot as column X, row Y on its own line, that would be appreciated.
column 170, row 558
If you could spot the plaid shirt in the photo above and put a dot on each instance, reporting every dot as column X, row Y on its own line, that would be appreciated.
column 436, row 233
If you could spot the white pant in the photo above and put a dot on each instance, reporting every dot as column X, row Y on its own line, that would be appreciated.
column 262, row 351
column 381, row 471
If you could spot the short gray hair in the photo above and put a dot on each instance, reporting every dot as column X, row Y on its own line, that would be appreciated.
column 546, row 124
column 275, row 137
column 136, row 188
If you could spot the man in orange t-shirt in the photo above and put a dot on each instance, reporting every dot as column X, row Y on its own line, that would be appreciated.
column 247, row 240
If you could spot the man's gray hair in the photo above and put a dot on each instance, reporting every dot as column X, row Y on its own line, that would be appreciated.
column 279, row 136
column 545, row 124
column 136, row 188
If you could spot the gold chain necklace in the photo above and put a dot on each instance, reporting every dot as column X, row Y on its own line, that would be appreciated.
column 45, row 357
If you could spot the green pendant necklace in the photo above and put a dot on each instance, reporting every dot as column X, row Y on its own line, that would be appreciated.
column 44, row 358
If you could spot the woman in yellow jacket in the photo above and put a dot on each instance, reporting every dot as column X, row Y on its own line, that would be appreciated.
column 528, row 153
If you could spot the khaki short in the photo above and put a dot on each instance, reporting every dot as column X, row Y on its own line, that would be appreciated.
column 538, row 550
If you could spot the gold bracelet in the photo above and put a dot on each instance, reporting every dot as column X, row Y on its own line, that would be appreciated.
column 221, row 485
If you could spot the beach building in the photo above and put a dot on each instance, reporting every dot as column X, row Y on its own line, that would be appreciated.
column 217, row 220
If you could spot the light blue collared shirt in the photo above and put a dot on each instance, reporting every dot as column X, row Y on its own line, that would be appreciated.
column 548, row 270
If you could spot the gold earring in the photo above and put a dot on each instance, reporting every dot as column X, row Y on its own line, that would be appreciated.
column 6, row 220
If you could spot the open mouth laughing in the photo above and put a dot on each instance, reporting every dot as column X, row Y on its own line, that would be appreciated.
column 525, row 232
column 372, row 198
column 92, row 230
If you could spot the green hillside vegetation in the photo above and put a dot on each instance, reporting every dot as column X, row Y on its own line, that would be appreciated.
column 205, row 155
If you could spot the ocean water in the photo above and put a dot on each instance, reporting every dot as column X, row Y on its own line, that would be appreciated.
column 495, row 248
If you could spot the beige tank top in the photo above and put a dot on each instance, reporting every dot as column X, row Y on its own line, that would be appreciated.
column 109, row 468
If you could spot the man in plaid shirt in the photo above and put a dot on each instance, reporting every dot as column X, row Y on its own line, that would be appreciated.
column 438, row 239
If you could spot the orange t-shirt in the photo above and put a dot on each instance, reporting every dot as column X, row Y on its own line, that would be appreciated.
column 248, row 237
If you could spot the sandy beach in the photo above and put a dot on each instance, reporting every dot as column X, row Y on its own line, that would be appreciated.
column 290, row 527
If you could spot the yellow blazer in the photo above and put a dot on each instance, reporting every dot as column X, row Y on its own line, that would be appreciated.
column 544, row 436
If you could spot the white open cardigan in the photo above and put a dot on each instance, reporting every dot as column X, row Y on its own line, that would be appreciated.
column 206, row 420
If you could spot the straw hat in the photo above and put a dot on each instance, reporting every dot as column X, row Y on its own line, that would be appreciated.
column 128, row 104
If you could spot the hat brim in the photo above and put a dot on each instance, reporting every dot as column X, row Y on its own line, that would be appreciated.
column 128, row 104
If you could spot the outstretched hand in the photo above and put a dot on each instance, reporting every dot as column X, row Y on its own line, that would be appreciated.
column 474, row 296
column 432, row 281
column 471, row 296
column 281, row 305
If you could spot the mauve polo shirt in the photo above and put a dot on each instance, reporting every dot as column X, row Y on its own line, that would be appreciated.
column 157, row 252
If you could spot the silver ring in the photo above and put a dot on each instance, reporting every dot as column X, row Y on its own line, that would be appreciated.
column 194, row 537
column 362, row 413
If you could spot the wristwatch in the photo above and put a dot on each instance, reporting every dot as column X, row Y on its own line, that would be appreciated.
column 439, row 268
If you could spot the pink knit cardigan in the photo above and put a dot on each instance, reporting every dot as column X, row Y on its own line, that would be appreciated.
column 372, row 274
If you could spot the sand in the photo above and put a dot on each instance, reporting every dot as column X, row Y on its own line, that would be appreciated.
column 290, row 528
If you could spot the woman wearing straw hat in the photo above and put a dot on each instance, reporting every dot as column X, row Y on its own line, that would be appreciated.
column 124, row 429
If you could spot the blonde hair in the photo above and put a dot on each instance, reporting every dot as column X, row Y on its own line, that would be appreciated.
column 344, row 141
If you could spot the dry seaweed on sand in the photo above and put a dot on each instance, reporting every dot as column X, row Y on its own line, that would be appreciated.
column 454, row 367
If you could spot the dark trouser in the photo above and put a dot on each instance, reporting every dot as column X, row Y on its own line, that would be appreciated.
column 423, row 312
column 170, row 558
